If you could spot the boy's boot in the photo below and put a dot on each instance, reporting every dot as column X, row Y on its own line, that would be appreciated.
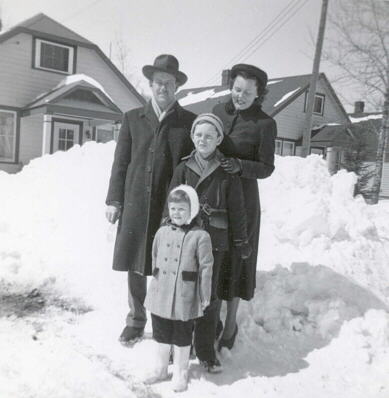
column 180, row 368
column 159, row 372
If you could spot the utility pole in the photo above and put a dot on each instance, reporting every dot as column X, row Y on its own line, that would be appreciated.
column 312, row 86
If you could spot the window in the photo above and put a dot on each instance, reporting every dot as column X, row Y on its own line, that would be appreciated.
column 7, row 136
column 317, row 151
column 318, row 106
column 278, row 150
column 287, row 148
column 54, row 56
column 66, row 139
column 105, row 133
column 284, row 147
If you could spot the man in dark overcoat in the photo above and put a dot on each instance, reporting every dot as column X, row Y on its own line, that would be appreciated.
column 151, row 142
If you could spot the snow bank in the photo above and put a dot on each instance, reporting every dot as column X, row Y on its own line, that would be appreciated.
column 317, row 325
column 53, row 231
column 310, row 216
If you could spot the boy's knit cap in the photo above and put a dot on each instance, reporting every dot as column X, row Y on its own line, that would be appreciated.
column 209, row 118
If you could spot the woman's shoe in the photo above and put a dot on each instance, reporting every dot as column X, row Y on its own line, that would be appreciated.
column 228, row 343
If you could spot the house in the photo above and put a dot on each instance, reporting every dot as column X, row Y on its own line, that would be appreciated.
column 286, row 103
column 57, row 89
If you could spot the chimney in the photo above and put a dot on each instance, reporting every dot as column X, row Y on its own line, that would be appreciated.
column 226, row 77
column 359, row 106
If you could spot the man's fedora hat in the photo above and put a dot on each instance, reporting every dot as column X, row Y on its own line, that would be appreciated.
column 251, row 70
column 165, row 63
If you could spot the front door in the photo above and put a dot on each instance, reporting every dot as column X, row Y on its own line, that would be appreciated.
column 65, row 135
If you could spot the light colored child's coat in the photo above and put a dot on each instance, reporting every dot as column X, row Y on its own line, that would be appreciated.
column 182, row 272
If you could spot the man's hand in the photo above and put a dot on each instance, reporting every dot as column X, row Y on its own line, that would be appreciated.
column 112, row 213
column 231, row 165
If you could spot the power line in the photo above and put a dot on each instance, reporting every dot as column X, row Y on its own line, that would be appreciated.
column 258, row 36
column 264, row 31
column 284, row 23
column 80, row 11
column 262, row 37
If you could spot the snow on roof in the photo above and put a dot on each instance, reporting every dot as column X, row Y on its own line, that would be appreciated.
column 322, row 125
column 81, row 77
column 192, row 98
column 285, row 97
column 356, row 119
column 274, row 81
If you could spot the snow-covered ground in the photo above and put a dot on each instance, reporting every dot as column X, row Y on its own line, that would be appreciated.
column 318, row 325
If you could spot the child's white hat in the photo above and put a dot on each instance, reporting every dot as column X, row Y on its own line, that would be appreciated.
column 211, row 119
column 193, row 198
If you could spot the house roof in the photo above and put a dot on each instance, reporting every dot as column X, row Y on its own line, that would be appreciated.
column 331, row 134
column 281, row 92
column 47, row 28
column 42, row 23
column 61, row 95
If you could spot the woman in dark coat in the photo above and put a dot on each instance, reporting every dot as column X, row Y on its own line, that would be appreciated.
column 248, row 145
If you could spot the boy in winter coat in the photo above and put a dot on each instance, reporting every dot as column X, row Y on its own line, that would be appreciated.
column 180, row 289
column 222, row 213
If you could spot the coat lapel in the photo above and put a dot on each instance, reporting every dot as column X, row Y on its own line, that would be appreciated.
column 149, row 114
column 192, row 164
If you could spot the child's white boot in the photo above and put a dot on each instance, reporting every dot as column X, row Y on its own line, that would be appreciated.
column 180, row 368
column 159, row 372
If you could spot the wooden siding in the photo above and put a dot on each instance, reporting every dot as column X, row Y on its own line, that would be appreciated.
column 291, row 120
column 31, row 133
column 89, row 63
column 28, row 83
column 19, row 83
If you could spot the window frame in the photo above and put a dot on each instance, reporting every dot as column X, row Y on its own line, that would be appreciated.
column 281, row 141
column 15, row 137
column 293, row 148
column 278, row 141
column 317, row 95
column 71, row 67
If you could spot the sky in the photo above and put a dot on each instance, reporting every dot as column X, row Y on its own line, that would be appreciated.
column 206, row 36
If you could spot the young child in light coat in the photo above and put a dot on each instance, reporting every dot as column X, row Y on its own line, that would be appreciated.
column 180, row 288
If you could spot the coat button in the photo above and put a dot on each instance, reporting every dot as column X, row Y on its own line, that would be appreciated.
column 164, row 272
column 168, row 245
column 178, row 246
column 176, row 259
column 165, row 258
column 174, row 272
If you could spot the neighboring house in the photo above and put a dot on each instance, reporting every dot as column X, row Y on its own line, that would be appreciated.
column 57, row 89
column 286, row 103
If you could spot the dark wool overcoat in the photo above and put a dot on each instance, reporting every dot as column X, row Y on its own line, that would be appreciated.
column 146, row 154
column 222, row 208
column 249, row 136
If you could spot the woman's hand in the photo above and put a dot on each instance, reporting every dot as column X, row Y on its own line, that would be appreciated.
column 112, row 213
column 231, row 165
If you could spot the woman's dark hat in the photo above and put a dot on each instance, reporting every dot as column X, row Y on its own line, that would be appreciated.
column 250, row 69
column 165, row 63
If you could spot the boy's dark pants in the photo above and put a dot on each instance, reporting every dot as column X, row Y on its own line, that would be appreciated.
column 205, row 327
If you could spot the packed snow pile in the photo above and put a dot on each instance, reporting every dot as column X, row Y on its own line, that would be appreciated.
column 310, row 216
column 318, row 324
